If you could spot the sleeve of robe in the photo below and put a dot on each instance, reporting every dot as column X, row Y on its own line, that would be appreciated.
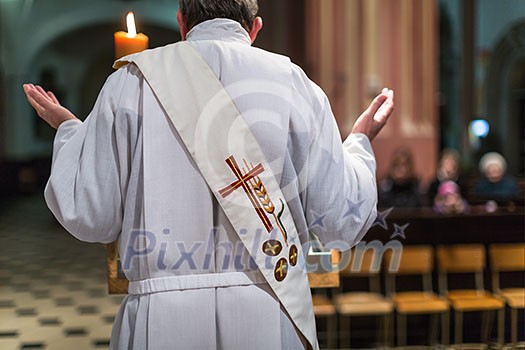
column 340, row 197
column 91, row 159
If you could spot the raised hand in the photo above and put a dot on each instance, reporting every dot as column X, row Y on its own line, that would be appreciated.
column 376, row 115
column 47, row 106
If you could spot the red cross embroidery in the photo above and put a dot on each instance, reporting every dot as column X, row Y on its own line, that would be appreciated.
column 243, row 181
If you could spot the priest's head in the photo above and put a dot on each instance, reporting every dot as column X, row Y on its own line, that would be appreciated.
column 193, row 12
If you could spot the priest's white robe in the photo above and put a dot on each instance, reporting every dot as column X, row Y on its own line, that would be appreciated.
column 124, row 174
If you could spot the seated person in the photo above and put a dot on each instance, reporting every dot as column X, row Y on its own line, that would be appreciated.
column 495, row 184
column 401, row 187
column 448, row 199
column 448, row 170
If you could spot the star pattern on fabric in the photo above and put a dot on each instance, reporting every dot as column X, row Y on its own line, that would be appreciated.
column 318, row 220
column 292, row 239
column 381, row 218
column 399, row 231
column 353, row 210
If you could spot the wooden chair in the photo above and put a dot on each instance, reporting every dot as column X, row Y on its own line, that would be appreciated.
column 416, row 260
column 323, row 305
column 509, row 258
column 364, row 303
column 468, row 259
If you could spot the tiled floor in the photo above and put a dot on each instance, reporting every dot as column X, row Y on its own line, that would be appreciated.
column 53, row 292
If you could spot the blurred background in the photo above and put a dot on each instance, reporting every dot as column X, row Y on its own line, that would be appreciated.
column 457, row 68
column 449, row 61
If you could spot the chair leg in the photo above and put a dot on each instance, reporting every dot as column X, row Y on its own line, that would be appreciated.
column 391, row 330
column 445, row 324
column 433, row 329
column 331, row 332
column 485, row 328
column 459, row 327
column 345, row 329
column 513, row 327
column 379, row 327
column 401, row 329
column 386, row 331
column 501, row 327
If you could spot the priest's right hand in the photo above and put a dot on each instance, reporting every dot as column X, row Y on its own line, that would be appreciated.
column 47, row 106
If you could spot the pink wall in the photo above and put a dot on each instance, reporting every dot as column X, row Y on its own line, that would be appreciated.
column 356, row 47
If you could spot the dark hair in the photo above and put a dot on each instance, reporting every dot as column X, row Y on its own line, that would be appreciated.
column 198, row 11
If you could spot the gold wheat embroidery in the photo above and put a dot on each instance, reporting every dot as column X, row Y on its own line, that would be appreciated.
column 262, row 194
column 264, row 198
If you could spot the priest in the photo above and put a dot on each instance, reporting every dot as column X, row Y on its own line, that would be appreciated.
column 210, row 161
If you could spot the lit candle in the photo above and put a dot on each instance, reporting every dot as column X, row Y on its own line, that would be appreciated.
column 129, row 42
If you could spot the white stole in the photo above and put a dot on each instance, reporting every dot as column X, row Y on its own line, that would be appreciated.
column 235, row 168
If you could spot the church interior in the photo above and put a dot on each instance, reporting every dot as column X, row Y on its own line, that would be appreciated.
column 458, row 71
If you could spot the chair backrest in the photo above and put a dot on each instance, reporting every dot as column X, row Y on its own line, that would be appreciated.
column 506, row 258
column 463, row 258
column 362, row 263
column 336, row 256
column 324, row 277
column 415, row 260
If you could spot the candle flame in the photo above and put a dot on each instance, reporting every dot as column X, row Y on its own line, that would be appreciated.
column 132, row 30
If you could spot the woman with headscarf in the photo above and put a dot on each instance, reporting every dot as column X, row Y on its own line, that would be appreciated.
column 495, row 183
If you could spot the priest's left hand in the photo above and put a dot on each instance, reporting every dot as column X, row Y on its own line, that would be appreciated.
column 376, row 116
column 47, row 106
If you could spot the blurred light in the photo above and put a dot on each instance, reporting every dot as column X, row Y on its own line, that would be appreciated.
column 480, row 128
